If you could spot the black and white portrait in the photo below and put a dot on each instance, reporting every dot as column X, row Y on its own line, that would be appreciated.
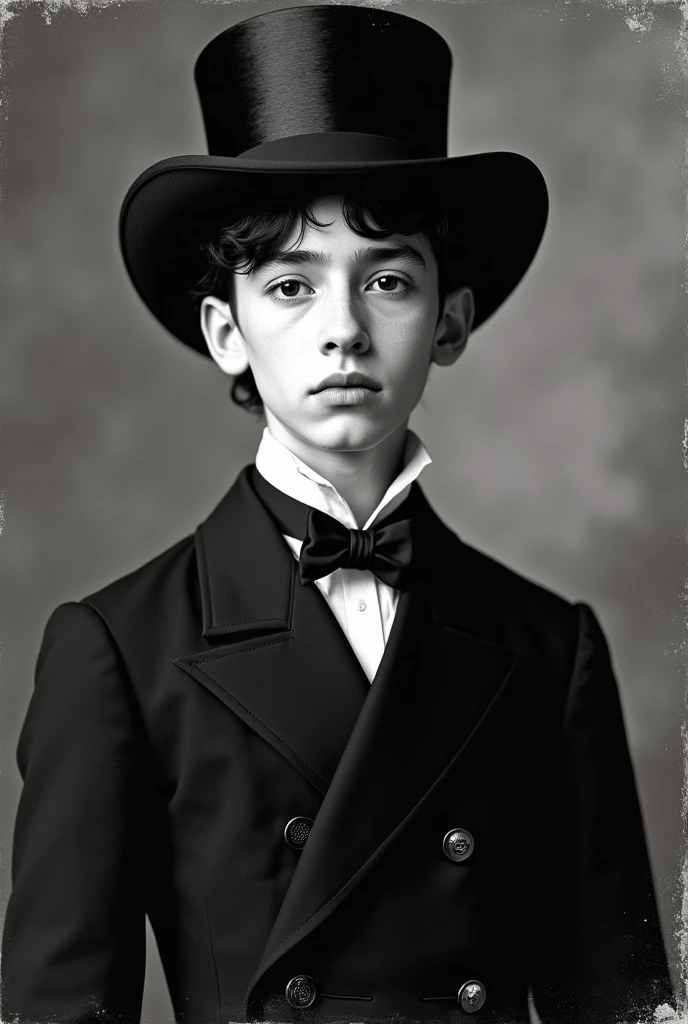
column 343, row 402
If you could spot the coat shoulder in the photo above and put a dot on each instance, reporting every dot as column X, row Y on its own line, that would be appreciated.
column 152, row 591
column 512, row 608
column 500, row 582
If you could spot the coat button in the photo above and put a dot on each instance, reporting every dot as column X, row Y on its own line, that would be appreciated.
column 471, row 996
column 458, row 844
column 301, row 992
column 296, row 832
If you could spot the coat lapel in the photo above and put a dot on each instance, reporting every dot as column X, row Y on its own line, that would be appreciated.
column 288, row 670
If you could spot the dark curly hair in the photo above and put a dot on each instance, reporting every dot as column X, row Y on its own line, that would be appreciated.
column 257, row 234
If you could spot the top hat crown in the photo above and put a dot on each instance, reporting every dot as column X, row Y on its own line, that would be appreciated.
column 326, row 83
column 327, row 100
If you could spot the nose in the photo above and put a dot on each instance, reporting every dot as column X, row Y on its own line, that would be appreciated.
column 343, row 327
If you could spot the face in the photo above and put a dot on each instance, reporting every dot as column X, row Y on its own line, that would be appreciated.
column 340, row 332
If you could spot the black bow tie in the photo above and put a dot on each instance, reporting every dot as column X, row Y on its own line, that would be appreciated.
column 385, row 551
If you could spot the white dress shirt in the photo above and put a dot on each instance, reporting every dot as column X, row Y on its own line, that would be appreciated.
column 363, row 605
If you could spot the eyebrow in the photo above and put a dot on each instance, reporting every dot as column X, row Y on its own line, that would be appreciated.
column 371, row 254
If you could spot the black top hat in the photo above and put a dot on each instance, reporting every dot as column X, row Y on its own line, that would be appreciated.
column 325, row 100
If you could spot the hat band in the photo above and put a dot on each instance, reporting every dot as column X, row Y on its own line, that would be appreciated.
column 337, row 147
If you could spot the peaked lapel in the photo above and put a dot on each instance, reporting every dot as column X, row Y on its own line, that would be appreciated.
column 288, row 670
column 439, row 677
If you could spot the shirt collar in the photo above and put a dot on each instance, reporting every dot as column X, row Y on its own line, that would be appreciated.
column 281, row 468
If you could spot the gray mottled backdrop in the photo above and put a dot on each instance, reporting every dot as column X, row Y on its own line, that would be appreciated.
column 557, row 437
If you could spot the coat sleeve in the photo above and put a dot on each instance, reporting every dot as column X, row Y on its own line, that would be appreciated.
column 601, row 954
column 74, row 935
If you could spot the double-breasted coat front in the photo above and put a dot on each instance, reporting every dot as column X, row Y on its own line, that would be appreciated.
column 183, row 715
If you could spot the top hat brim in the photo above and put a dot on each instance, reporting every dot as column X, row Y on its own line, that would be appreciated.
column 496, row 204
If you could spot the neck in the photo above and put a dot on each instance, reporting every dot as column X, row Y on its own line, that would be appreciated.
column 361, row 477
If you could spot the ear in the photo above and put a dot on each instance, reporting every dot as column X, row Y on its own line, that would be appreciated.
column 453, row 327
column 222, row 336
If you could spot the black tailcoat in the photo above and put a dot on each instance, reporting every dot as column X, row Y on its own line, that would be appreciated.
column 184, row 713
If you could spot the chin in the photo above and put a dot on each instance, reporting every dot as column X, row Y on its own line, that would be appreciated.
column 338, row 435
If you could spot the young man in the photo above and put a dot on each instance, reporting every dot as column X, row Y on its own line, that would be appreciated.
column 350, row 767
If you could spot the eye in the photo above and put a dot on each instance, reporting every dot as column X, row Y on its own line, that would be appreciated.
column 290, row 288
column 390, row 284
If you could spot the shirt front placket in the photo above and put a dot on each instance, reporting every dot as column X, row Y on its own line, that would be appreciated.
column 360, row 597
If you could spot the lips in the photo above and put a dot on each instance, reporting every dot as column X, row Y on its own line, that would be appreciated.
column 347, row 380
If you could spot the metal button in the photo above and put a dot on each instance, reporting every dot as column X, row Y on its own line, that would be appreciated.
column 458, row 844
column 301, row 992
column 296, row 832
column 471, row 996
